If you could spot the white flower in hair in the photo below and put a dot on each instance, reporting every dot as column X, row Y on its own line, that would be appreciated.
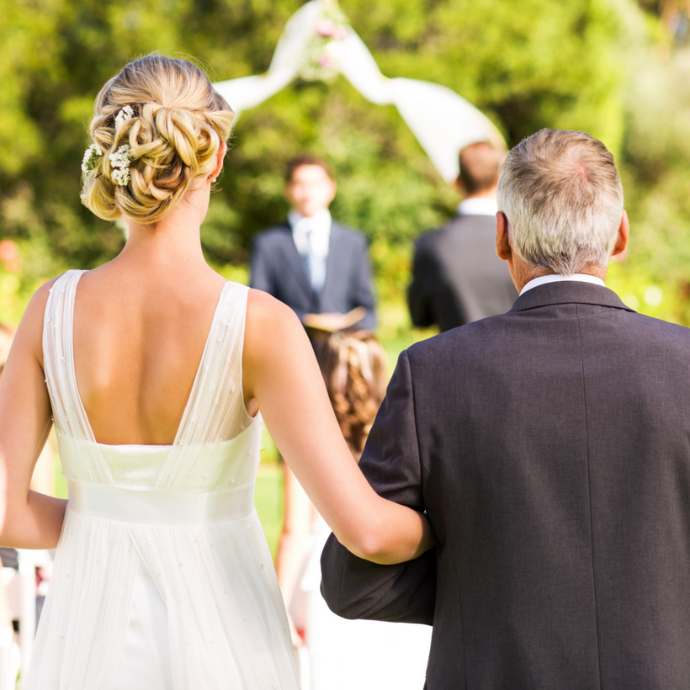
column 120, row 161
column 125, row 114
column 91, row 155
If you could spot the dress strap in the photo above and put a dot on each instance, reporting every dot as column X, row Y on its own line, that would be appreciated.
column 58, row 359
column 215, row 411
column 71, row 423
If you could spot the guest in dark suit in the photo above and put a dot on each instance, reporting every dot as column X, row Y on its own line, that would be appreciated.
column 456, row 276
column 550, row 449
column 313, row 264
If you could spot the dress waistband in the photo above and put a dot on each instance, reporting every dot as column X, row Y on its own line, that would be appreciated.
column 160, row 507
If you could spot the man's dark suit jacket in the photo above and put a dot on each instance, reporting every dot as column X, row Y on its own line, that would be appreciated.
column 550, row 448
column 277, row 268
column 457, row 277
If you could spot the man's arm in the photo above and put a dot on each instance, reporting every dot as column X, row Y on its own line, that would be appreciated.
column 354, row 588
column 419, row 294
column 364, row 293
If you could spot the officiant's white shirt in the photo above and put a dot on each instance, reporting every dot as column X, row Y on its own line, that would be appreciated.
column 481, row 206
column 312, row 238
column 576, row 277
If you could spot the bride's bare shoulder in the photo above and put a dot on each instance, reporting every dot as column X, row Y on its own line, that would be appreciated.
column 265, row 312
column 270, row 325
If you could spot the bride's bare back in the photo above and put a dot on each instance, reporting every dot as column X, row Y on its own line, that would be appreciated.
column 138, row 341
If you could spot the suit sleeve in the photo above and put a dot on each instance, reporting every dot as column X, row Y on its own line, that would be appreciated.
column 419, row 294
column 405, row 592
column 261, row 275
column 364, row 293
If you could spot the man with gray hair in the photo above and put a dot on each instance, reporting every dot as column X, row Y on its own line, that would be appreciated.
column 550, row 449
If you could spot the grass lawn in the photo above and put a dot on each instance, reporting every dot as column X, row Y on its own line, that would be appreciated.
column 268, row 499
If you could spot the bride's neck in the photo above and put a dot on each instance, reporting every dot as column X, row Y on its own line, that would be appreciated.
column 174, row 241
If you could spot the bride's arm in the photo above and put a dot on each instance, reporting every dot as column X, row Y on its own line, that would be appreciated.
column 28, row 520
column 281, row 372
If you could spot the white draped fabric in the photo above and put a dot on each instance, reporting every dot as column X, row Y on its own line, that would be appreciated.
column 442, row 121
column 162, row 577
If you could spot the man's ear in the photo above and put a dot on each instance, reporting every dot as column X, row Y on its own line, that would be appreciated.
column 503, row 249
column 623, row 235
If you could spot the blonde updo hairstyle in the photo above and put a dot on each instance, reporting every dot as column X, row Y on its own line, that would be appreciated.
column 178, row 125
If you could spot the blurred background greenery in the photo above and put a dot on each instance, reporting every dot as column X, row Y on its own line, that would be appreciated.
column 616, row 68
column 619, row 69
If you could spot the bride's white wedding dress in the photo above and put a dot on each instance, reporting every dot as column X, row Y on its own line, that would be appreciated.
column 162, row 578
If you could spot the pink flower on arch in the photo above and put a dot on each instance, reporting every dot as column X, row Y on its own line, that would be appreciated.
column 339, row 33
column 325, row 27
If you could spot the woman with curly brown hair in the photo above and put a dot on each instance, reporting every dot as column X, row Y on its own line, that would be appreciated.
column 353, row 366
column 342, row 654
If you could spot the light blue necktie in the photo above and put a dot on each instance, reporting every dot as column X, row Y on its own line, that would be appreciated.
column 316, row 263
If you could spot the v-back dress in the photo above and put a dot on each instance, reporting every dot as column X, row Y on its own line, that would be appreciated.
column 162, row 578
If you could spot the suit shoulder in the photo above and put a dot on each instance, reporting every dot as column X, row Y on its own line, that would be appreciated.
column 474, row 221
column 434, row 235
column 430, row 238
column 351, row 234
column 271, row 234
column 432, row 347
column 479, row 336
column 647, row 327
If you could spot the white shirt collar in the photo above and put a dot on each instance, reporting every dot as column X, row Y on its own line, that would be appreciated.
column 481, row 206
column 311, row 235
column 576, row 277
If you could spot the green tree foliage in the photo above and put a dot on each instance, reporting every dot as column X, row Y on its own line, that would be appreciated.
column 528, row 65
column 656, row 165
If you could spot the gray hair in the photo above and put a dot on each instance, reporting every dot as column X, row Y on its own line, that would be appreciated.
column 563, row 198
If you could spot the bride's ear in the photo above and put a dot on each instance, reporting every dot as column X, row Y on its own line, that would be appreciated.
column 220, row 156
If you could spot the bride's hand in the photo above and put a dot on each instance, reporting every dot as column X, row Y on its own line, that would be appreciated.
column 281, row 372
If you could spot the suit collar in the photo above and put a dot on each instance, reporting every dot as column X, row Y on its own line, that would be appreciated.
column 555, row 278
column 568, row 292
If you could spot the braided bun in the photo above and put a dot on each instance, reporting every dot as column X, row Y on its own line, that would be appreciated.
column 178, row 124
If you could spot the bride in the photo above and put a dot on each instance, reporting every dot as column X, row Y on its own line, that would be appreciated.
column 157, row 373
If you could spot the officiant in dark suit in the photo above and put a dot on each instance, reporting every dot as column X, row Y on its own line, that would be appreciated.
column 315, row 265
column 456, row 276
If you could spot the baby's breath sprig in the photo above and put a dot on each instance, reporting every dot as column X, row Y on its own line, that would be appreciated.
column 91, row 155
column 127, row 113
column 120, row 161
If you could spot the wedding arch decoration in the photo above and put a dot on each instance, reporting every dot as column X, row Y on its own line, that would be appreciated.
column 318, row 44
